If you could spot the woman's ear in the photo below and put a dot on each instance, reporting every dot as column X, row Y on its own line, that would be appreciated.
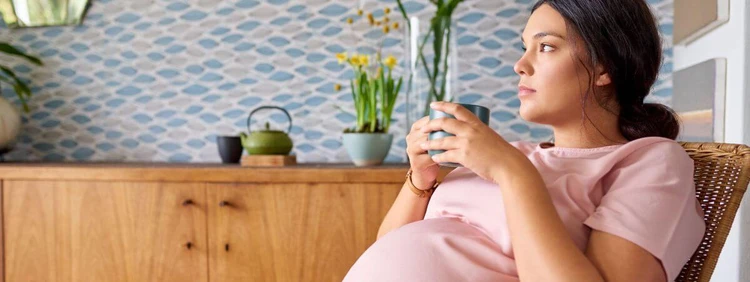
column 602, row 77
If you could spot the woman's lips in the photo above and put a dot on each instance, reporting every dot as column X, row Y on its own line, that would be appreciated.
column 525, row 91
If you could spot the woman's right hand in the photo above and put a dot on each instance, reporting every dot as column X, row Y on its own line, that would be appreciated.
column 424, row 170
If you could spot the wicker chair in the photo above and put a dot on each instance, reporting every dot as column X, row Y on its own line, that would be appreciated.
column 722, row 173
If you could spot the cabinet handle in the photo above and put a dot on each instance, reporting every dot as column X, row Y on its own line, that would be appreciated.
column 226, row 247
column 224, row 204
column 189, row 245
column 187, row 202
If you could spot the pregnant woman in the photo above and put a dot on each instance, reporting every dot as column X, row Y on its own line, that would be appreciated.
column 612, row 199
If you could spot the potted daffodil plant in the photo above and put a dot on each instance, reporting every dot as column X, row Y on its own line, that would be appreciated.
column 10, row 118
column 374, row 91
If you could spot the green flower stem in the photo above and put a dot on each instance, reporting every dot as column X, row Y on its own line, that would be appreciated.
column 374, row 96
column 447, row 58
column 440, row 26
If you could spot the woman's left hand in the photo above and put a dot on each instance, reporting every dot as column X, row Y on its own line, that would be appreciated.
column 475, row 145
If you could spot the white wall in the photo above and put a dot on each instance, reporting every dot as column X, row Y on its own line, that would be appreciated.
column 729, row 41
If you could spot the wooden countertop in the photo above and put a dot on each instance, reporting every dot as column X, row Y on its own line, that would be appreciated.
column 302, row 173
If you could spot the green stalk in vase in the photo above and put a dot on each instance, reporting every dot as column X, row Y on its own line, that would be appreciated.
column 440, row 27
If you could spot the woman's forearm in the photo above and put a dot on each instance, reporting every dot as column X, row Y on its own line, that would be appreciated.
column 407, row 208
column 543, row 249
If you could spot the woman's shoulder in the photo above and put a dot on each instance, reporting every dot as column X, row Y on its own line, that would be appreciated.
column 653, row 148
column 658, row 146
column 654, row 158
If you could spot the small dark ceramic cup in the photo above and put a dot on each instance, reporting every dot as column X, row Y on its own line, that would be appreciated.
column 482, row 113
column 230, row 149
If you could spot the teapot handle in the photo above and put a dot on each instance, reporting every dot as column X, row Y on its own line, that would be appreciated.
column 249, row 117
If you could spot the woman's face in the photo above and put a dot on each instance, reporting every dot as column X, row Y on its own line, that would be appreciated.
column 551, row 66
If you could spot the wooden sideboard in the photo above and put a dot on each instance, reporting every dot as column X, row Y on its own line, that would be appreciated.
column 166, row 222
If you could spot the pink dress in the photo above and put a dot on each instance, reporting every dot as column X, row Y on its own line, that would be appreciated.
column 642, row 191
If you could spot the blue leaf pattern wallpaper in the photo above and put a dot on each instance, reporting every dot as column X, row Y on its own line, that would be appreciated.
column 158, row 80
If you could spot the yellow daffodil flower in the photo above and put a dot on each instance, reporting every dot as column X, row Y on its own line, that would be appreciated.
column 341, row 57
column 337, row 87
column 360, row 12
column 349, row 21
column 395, row 25
column 387, row 11
column 390, row 61
column 386, row 29
column 355, row 60
column 364, row 60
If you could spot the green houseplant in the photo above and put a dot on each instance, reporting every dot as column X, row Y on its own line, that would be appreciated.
column 10, row 119
column 374, row 91
column 374, row 95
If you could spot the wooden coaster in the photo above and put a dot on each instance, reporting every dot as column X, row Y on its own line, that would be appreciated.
column 269, row 160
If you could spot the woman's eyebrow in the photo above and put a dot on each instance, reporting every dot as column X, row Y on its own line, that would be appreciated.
column 545, row 33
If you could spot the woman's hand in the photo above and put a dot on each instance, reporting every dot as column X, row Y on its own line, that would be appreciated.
column 424, row 170
column 476, row 146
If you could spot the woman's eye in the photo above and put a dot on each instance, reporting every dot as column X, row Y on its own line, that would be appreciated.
column 547, row 48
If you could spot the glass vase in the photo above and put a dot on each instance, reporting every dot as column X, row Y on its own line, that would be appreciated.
column 433, row 76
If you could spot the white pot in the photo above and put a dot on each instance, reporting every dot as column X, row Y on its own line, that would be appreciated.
column 10, row 124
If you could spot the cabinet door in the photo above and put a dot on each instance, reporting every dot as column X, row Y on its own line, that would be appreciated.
column 58, row 231
column 292, row 232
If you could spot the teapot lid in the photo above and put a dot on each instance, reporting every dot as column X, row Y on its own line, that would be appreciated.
column 269, row 130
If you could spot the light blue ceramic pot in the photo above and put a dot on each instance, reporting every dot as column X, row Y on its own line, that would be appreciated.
column 367, row 149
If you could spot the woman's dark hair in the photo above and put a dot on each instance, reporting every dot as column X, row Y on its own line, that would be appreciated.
column 623, row 38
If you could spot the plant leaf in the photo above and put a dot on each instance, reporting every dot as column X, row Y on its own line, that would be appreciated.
column 18, row 83
column 403, row 13
column 9, row 49
column 19, row 92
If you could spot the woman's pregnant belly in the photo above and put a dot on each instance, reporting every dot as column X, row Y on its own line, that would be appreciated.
column 438, row 249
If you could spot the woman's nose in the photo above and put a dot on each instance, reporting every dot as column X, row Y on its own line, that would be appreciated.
column 522, row 66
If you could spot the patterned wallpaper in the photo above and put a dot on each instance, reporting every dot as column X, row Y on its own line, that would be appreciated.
column 157, row 80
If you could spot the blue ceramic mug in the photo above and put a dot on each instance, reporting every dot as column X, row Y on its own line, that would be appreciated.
column 482, row 113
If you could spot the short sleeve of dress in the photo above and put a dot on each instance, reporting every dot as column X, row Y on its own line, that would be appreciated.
column 650, row 201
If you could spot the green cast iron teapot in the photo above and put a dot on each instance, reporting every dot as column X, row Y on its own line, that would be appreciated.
column 267, row 142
